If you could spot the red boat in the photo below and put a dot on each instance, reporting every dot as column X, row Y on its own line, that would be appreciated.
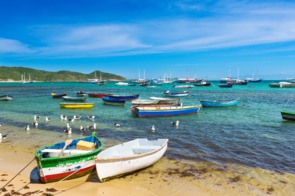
column 98, row 95
column 56, row 96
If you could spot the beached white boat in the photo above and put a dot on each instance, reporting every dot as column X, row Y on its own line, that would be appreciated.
column 128, row 157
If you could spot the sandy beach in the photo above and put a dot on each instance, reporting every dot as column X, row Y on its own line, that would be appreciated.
column 166, row 177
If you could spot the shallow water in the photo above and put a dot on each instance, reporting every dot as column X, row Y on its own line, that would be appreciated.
column 251, row 134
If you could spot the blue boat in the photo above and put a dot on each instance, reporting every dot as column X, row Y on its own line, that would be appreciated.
column 160, row 111
column 123, row 97
column 219, row 103
column 111, row 101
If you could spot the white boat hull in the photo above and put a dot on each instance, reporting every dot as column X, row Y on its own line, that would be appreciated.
column 136, row 158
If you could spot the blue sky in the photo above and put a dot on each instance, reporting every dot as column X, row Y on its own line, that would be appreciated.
column 204, row 38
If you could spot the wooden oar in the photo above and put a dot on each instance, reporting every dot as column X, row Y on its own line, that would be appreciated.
column 67, row 142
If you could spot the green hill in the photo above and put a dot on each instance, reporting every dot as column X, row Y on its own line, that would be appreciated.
column 16, row 73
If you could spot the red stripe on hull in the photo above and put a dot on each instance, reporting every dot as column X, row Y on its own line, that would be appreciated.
column 57, row 177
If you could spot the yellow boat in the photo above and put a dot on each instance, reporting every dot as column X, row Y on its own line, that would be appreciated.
column 76, row 105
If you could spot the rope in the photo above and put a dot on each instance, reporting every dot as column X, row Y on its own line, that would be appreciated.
column 17, row 174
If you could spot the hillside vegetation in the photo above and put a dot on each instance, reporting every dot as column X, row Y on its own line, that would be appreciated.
column 16, row 74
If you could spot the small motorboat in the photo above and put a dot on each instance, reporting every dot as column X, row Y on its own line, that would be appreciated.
column 6, row 98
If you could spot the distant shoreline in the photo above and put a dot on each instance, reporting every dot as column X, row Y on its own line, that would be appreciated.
column 19, row 81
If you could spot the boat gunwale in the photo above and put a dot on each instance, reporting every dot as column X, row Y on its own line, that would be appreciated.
column 289, row 113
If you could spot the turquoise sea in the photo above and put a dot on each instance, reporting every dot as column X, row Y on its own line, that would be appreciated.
column 251, row 134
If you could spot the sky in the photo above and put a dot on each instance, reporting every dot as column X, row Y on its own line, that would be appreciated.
column 179, row 38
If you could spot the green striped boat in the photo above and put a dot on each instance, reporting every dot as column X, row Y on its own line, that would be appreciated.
column 64, row 161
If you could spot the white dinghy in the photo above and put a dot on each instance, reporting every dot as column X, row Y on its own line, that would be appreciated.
column 129, row 156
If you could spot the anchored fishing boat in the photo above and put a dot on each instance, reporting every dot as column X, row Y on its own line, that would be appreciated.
column 74, row 99
column 225, row 85
column 132, row 108
column 112, row 101
column 129, row 156
column 98, row 95
column 6, row 98
column 176, row 93
column 160, row 111
column 203, row 83
column 287, row 115
column 57, row 96
column 144, row 102
column 290, row 83
column 69, row 159
column 124, row 97
column 76, row 105
column 183, row 86
column 80, row 94
column 219, row 103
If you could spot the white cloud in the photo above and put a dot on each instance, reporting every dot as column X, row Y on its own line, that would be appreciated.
column 12, row 46
column 93, row 40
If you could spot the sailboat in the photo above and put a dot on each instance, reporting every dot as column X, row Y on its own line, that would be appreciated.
column 100, row 81
column 253, row 79
column 167, row 80
column 142, row 82
column 23, row 79
column 93, row 80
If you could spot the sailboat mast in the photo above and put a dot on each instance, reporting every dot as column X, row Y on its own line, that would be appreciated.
column 138, row 74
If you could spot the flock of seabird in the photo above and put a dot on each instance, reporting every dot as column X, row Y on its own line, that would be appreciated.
column 68, row 129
